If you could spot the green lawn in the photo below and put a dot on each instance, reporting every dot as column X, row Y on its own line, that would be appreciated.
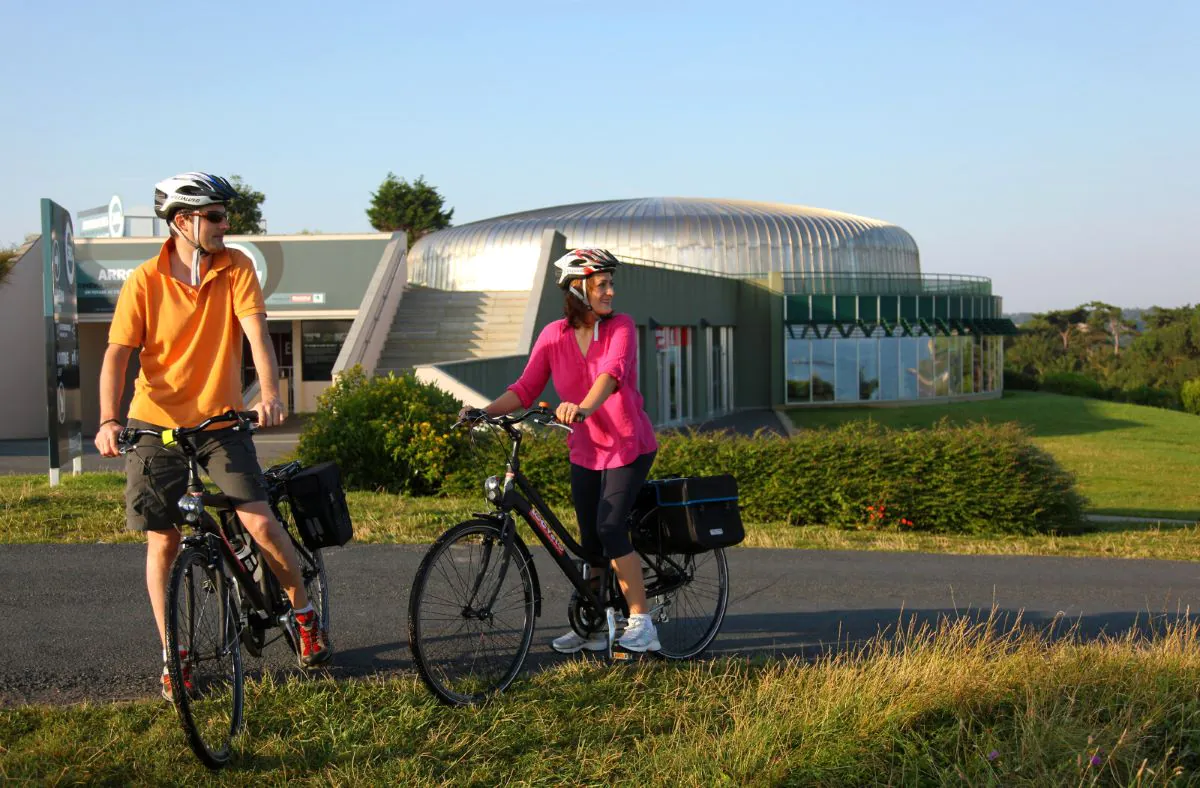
column 1129, row 459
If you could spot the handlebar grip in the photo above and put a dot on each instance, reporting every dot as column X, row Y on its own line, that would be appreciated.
column 249, row 415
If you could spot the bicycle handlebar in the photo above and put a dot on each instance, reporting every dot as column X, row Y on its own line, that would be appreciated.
column 475, row 415
column 246, row 420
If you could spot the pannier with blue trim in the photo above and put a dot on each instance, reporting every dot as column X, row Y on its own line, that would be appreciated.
column 687, row 515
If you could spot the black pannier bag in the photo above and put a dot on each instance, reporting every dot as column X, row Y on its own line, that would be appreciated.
column 688, row 515
column 319, row 505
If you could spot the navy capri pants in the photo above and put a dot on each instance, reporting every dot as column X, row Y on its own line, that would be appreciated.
column 603, row 500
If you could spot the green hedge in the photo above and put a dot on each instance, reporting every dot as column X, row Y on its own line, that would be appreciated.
column 1073, row 384
column 1077, row 384
column 393, row 433
column 978, row 479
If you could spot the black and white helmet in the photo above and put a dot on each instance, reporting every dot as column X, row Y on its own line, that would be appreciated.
column 191, row 190
column 582, row 263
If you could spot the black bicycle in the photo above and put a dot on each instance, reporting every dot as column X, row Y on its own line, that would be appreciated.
column 476, row 593
column 221, row 594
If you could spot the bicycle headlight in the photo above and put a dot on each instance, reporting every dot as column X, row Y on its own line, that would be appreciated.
column 191, row 506
column 493, row 490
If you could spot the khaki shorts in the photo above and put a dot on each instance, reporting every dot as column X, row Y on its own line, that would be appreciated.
column 156, row 477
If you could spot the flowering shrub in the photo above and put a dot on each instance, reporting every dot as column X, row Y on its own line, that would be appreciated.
column 385, row 433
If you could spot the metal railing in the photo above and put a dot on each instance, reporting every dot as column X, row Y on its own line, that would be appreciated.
column 687, row 269
column 869, row 284
column 862, row 283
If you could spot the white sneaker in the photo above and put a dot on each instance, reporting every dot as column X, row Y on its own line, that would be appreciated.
column 572, row 642
column 640, row 634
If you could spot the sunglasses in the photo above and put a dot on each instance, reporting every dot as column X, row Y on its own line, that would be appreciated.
column 216, row 217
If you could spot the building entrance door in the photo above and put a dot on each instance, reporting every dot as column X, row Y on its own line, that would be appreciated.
column 674, row 375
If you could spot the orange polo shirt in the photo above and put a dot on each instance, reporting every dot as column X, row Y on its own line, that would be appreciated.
column 190, row 339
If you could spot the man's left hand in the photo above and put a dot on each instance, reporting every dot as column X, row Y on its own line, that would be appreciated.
column 270, row 412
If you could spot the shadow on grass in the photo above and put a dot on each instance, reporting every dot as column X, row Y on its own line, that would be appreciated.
column 1170, row 520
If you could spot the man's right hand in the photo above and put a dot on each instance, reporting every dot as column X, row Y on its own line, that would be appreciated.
column 106, row 439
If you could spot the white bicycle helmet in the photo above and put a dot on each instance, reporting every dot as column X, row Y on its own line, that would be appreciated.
column 578, row 265
column 191, row 190
column 582, row 263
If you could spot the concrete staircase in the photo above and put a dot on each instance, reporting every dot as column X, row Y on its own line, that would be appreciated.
column 432, row 326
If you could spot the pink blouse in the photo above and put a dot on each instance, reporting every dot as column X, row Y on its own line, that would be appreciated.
column 619, row 431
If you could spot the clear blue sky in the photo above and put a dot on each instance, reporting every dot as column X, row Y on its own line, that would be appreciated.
column 1052, row 146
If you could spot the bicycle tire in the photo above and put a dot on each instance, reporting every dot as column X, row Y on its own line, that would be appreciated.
column 689, row 617
column 316, row 584
column 205, row 658
column 465, row 656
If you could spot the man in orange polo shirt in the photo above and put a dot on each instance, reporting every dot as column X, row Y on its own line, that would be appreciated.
column 186, row 311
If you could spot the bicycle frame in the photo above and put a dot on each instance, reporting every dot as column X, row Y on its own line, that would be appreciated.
column 518, row 494
column 209, row 534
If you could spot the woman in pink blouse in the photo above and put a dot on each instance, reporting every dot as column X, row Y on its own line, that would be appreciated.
column 592, row 356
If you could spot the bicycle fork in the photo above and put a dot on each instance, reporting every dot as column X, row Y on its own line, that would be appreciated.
column 484, row 613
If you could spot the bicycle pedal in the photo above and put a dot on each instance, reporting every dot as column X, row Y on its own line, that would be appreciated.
column 621, row 655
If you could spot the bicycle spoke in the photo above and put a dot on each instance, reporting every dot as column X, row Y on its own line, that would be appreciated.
column 205, row 661
column 688, row 617
column 471, row 620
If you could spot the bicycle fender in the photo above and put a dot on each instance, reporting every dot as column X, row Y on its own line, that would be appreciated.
column 523, row 551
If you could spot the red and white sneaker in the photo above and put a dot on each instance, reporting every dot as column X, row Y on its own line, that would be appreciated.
column 314, row 646
column 168, row 692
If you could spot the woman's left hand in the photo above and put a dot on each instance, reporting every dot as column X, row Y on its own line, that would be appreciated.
column 567, row 411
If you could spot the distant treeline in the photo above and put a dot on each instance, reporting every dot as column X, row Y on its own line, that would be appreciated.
column 1146, row 356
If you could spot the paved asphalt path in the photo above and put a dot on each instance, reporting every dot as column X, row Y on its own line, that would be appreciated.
column 76, row 623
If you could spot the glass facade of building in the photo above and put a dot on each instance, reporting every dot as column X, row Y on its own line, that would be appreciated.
column 929, row 338
column 858, row 368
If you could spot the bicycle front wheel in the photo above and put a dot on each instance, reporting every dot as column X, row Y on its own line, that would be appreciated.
column 471, row 613
column 205, row 658
column 687, row 595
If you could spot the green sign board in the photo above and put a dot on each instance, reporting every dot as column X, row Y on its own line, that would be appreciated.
column 60, row 310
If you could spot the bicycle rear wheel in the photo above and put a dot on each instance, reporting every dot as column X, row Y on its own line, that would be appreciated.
column 471, row 613
column 316, row 584
column 205, row 658
column 687, row 595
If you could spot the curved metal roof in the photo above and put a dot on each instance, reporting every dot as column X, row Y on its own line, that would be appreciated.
column 723, row 236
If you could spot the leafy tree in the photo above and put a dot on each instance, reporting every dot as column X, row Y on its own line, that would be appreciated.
column 1167, row 354
column 245, row 212
column 1065, row 322
column 1110, row 319
column 8, row 258
column 415, row 208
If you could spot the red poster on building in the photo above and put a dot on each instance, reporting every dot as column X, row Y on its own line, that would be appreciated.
column 670, row 336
